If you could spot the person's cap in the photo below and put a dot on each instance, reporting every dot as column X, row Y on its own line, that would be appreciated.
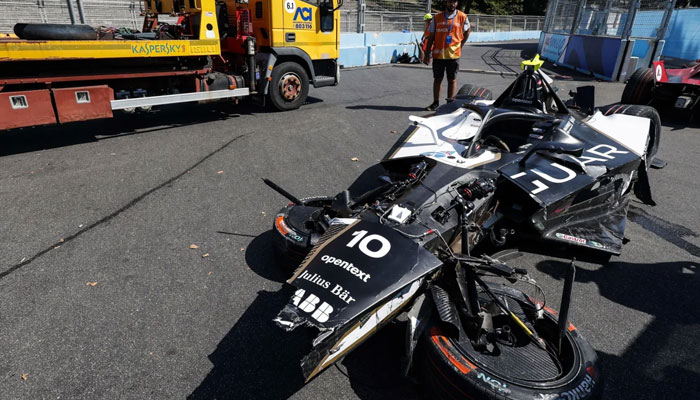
column 427, row 17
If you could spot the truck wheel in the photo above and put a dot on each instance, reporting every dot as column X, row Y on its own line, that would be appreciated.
column 639, row 86
column 289, row 86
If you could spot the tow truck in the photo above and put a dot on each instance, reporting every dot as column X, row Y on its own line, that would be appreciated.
column 270, row 50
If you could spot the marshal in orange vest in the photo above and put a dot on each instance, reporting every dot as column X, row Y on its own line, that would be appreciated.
column 444, row 28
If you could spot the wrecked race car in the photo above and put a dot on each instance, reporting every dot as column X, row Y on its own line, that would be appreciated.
column 406, row 241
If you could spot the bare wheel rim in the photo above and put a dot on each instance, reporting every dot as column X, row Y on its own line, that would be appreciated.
column 290, row 86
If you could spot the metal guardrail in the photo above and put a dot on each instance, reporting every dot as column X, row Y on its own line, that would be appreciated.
column 376, row 21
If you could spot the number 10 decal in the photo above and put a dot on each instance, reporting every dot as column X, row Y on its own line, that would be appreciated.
column 365, row 241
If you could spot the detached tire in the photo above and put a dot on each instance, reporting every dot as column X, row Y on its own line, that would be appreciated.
column 474, row 91
column 454, row 370
column 289, row 86
column 638, row 89
column 654, row 128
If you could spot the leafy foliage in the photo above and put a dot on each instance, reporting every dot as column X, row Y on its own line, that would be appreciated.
column 499, row 7
column 687, row 3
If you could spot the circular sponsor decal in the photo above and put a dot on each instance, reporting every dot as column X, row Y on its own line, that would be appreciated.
column 659, row 72
column 290, row 6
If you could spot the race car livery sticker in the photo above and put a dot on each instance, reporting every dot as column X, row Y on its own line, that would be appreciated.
column 578, row 240
column 582, row 391
column 570, row 238
column 355, row 270
column 494, row 383
column 549, row 178
column 303, row 18
column 290, row 6
column 660, row 72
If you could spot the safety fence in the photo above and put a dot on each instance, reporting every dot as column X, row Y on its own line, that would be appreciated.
column 356, row 15
column 610, row 18
column 612, row 38
column 378, row 21
column 117, row 13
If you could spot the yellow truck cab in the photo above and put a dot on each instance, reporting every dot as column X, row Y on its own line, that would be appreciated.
column 268, row 49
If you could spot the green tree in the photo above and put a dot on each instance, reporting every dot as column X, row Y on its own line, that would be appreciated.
column 499, row 7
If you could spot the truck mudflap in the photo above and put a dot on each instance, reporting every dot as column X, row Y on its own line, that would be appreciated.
column 356, row 279
column 265, row 63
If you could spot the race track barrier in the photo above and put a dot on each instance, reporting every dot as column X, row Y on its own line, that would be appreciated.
column 682, row 38
column 595, row 55
column 373, row 48
column 607, row 57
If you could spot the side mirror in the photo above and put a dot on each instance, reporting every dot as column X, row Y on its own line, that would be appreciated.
column 341, row 204
column 584, row 98
column 326, row 10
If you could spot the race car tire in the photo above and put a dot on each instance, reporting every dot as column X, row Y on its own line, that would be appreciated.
column 289, row 86
column 450, row 372
column 473, row 91
column 645, row 112
column 638, row 89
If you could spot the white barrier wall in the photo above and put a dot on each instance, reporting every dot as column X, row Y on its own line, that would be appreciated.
column 371, row 48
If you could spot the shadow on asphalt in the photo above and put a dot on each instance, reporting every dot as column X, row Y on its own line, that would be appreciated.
column 375, row 368
column 258, row 360
column 670, row 118
column 650, row 367
column 260, row 255
column 666, row 230
column 678, row 120
column 26, row 140
column 384, row 108
column 48, row 137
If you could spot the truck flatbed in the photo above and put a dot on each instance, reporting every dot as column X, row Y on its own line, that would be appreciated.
column 13, row 49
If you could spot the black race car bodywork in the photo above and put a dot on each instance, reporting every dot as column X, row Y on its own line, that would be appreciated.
column 523, row 163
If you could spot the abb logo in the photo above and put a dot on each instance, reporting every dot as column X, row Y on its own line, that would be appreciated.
column 308, row 304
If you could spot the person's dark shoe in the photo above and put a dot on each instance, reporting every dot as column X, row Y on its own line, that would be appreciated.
column 448, row 101
column 433, row 106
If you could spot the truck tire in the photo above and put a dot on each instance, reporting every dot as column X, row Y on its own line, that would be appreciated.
column 474, row 91
column 289, row 86
column 453, row 371
column 638, row 89
column 646, row 112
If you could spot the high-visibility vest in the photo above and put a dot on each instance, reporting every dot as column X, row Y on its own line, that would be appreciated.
column 424, row 39
column 445, row 27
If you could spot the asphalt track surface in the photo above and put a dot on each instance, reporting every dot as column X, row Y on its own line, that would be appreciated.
column 117, row 204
